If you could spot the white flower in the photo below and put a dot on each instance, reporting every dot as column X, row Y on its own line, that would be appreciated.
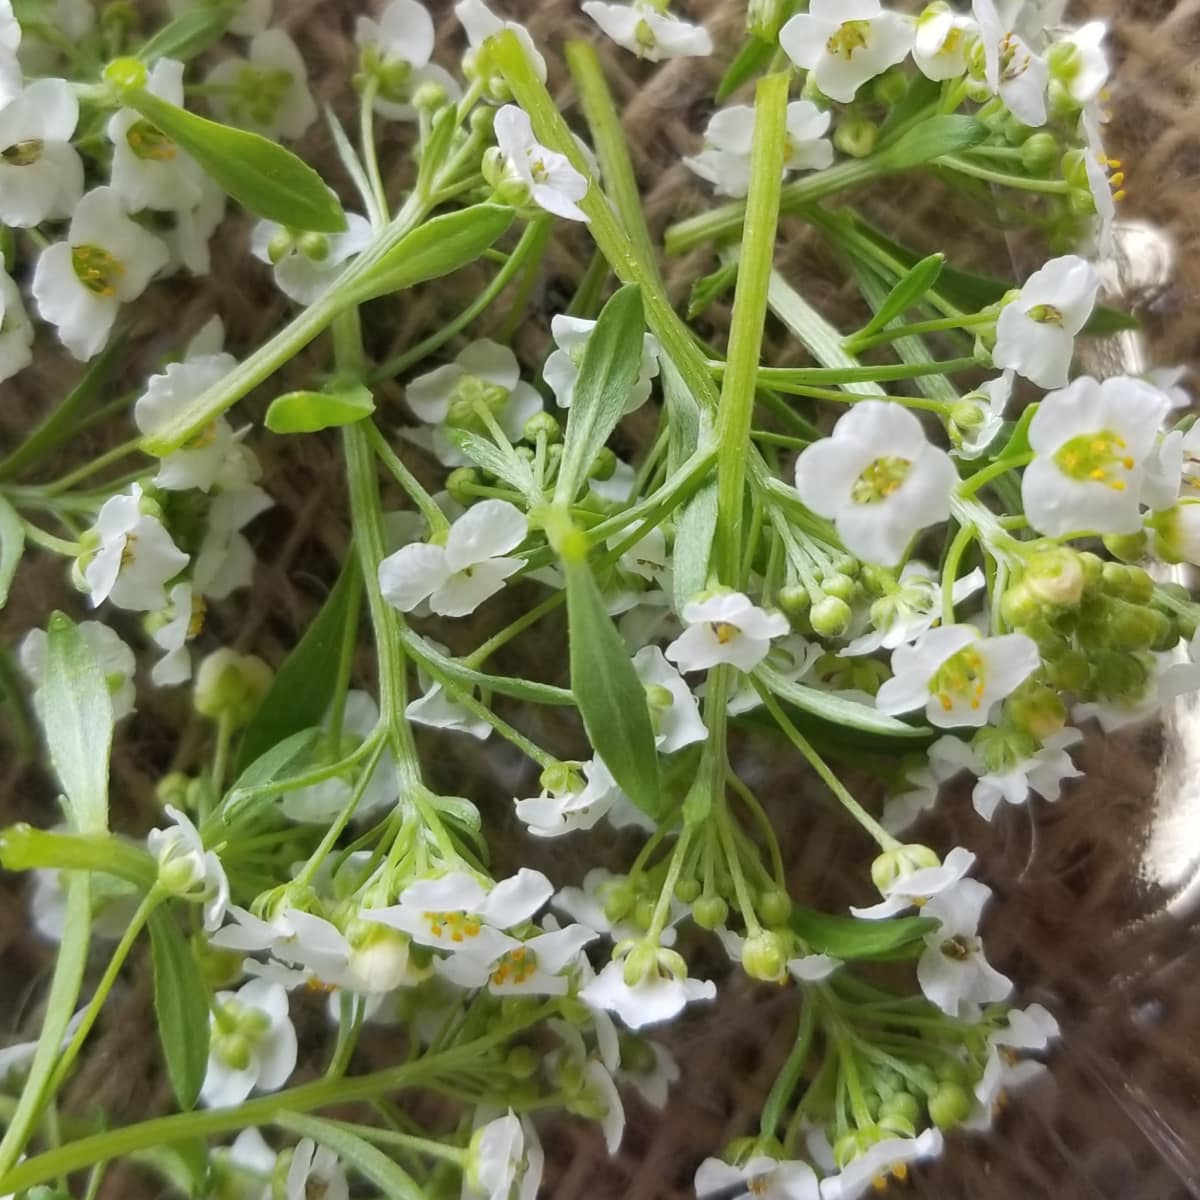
column 259, row 1051
column 480, row 23
column 1013, row 71
column 190, row 229
column 10, row 28
column 1035, row 333
column 113, row 657
column 1032, row 1028
column 199, row 463
column 106, row 261
column 319, row 803
column 725, row 161
column 726, row 628
column 765, row 1178
column 267, row 92
column 454, row 912
column 990, row 400
column 437, row 710
column 941, row 42
column 1043, row 772
column 186, row 869
column 846, row 42
column 580, row 806
column 182, row 621
column 249, row 16
column 651, row 1077
column 1086, row 72
column 16, row 329
column 315, row 1171
column 251, row 1155
column 41, row 173
column 113, row 904
column 878, row 479
column 571, row 335
column 402, row 41
column 957, row 674
column 533, row 967
column 309, row 264
column 553, row 182
column 673, row 708
column 648, row 31
column 916, row 888
column 659, row 995
column 912, row 610
column 136, row 556
column 952, row 970
column 148, row 169
column 921, row 787
column 482, row 373
column 890, row 1156
column 586, row 905
column 1093, row 442
column 458, row 577
column 812, row 968
column 504, row 1154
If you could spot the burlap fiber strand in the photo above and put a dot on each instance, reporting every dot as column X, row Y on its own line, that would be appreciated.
column 1089, row 916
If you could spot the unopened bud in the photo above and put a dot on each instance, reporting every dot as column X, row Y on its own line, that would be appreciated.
column 710, row 912
column 230, row 685
column 774, row 906
column 841, row 586
column 949, row 1106
column 314, row 246
column 542, row 424
column 282, row 243
column 687, row 890
column 1039, row 153
column 1036, row 709
column 899, row 863
column 856, row 136
column 891, row 87
column 793, row 600
column 1128, row 547
column 764, row 956
column 1019, row 606
column 604, row 465
column 830, row 617
column 1055, row 576
column 619, row 901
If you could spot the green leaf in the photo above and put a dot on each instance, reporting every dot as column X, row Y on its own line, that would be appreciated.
column 837, row 709
column 259, row 174
column 355, row 1152
column 310, row 412
column 436, row 248
column 286, row 759
column 930, row 140
column 12, row 546
column 922, row 93
column 907, row 292
column 180, row 1007
column 752, row 59
column 189, row 34
column 76, row 712
column 683, row 430
column 303, row 686
column 612, row 362
column 494, row 460
column 709, row 289
column 849, row 938
column 694, row 530
column 611, row 698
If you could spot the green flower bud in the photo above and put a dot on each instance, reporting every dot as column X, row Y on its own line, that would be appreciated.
column 1074, row 170
column 1093, row 569
column 841, row 586
column 522, row 1062
column 1118, row 675
column 619, row 901
column 949, row 1106
column 831, row 617
column 764, row 956
column 710, row 912
column 897, row 1124
column 1036, row 709
column 764, row 18
column 1019, row 606
column 1069, row 671
column 847, row 564
column 856, row 136
column 459, row 481
column 900, row 862
column 901, row 1104
column 793, row 600
column 774, row 906
column 542, row 424
column 891, row 87
column 1039, row 153
column 561, row 777
column 430, row 96
column 979, row 91
column 1003, row 748
column 1128, row 547
column 1055, row 576
column 234, row 1050
column 172, row 789
column 314, row 246
column 967, row 414
column 230, row 686
column 687, row 890
column 643, row 912
column 282, row 243
column 604, row 465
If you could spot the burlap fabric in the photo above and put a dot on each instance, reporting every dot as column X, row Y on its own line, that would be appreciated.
column 1080, row 920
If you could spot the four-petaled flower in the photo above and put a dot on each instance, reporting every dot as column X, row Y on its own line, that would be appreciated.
column 650, row 32
column 41, row 173
column 765, row 1178
column 571, row 335
column 553, row 182
column 399, row 46
column 1013, row 71
column 725, row 628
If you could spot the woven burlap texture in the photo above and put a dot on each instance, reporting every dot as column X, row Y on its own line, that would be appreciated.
column 1071, row 923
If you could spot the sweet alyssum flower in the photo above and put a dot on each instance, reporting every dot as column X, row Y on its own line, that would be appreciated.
column 978, row 429
column 480, row 23
column 887, row 1157
column 588, row 795
column 148, row 169
column 725, row 628
column 586, row 905
column 106, row 261
column 879, row 480
column 941, row 42
column 16, row 329
column 1092, row 443
column 765, row 1178
column 553, row 182
column 225, row 560
column 649, row 30
column 114, row 658
column 846, row 42
column 306, row 264
column 674, row 711
column 41, row 173
column 315, row 1171
column 1013, row 71
column 725, row 161
column 957, row 674
column 660, row 987
column 187, row 869
column 267, row 91
column 253, row 1044
column 571, row 335
column 1080, row 63
column 952, row 970
column 504, row 1154
column 135, row 558
column 533, row 967
column 182, row 621
column 913, row 888
column 1032, row 1028
column 397, row 49
column 1035, row 333
column 458, row 577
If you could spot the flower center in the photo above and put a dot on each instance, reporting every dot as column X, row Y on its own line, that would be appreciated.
column 723, row 631
column 149, row 142
column 899, row 1171
column 880, row 479
column 960, row 677
column 644, row 35
column 128, row 550
column 517, row 966
column 760, row 1185
column 850, row 36
column 1014, row 58
column 199, row 612
column 96, row 269
column 23, row 154
column 470, row 392
column 454, row 926
column 957, row 948
column 1045, row 314
column 1100, row 457
column 258, row 95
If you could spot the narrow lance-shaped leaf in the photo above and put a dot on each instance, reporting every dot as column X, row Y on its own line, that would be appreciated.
column 12, row 546
column 310, row 412
column 259, row 174
column 76, row 711
column 837, row 709
column 932, row 139
column 848, row 938
column 694, row 530
column 189, row 34
column 610, row 696
column 180, row 1007
column 494, row 459
column 909, row 291
column 357, row 1153
column 612, row 361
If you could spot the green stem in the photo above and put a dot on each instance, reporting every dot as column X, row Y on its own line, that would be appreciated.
column 784, row 379
column 24, row 848
column 426, row 504
column 405, row 1141
column 527, row 620
column 785, row 1082
column 981, row 478
column 89, row 468
column 370, row 154
column 917, row 328
column 1054, row 187
column 965, row 536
